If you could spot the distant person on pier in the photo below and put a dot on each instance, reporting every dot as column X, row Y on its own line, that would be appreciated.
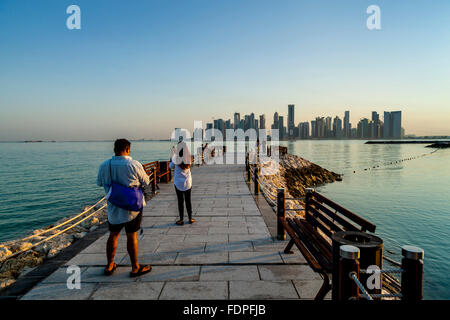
column 181, row 162
column 124, row 178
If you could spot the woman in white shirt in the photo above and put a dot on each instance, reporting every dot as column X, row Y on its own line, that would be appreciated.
column 181, row 161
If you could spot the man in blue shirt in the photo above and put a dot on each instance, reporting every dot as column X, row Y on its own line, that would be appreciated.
column 127, row 172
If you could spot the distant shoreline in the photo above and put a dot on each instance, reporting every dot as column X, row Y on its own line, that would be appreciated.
column 423, row 139
column 54, row 141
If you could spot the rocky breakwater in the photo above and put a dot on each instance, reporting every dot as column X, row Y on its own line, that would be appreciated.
column 17, row 266
column 294, row 174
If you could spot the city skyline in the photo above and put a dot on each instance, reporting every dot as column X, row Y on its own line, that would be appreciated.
column 322, row 127
column 138, row 69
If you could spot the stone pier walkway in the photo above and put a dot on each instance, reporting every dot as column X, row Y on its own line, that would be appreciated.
column 227, row 254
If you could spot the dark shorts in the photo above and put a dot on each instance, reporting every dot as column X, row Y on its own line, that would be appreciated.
column 130, row 226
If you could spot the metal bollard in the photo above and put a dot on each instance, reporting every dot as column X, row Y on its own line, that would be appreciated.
column 281, row 213
column 412, row 276
column 348, row 262
column 255, row 179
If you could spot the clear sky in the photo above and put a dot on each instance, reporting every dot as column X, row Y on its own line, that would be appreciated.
column 138, row 69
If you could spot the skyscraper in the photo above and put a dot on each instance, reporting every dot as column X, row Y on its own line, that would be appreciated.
column 387, row 126
column 320, row 127
column 237, row 119
column 375, row 126
column 246, row 122
column 363, row 128
column 262, row 121
column 396, row 119
column 303, row 129
column 281, row 127
column 275, row 120
column 337, row 127
column 252, row 121
column 347, row 127
column 291, row 121
column 328, row 127
column 313, row 129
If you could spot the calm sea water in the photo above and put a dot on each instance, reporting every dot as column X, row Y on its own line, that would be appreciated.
column 409, row 201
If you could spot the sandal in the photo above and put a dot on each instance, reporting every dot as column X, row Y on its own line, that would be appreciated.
column 140, row 272
column 180, row 222
column 110, row 272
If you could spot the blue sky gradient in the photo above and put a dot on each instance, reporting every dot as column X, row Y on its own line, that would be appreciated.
column 138, row 69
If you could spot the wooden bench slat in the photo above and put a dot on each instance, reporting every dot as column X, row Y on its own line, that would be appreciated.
column 346, row 224
column 366, row 225
column 324, row 245
column 314, row 253
column 311, row 245
column 308, row 256
column 325, row 220
column 317, row 223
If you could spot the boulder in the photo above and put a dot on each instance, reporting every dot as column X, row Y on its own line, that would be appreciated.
column 4, row 252
column 6, row 282
column 79, row 235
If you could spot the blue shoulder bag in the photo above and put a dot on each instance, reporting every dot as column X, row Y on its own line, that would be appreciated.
column 127, row 198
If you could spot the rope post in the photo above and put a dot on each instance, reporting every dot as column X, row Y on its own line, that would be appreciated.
column 154, row 180
column 412, row 277
column 281, row 213
column 348, row 262
column 309, row 192
column 255, row 179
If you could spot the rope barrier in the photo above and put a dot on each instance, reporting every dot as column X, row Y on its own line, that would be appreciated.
column 65, row 222
column 386, row 295
column 360, row 286
column 51, row 237
column 383, row 271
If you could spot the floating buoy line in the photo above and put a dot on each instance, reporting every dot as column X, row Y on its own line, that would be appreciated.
column 396, row 162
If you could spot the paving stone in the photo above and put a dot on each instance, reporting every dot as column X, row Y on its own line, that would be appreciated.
column 268, row 246
column 295, row 258
column 90, row 259
column 172, row 273
column 156, row 258
column 206, row 238
column 226, row 230
column 96, row 274
column 202, row 258
column 249, row 237
column 287, row 272
column 181, row 230
column 60, row 275
column 262, row 290
column 181, row 247
column 308, row 289
column 59, row 291
column 254, row 258
column 197, row 290
column 128, row 291
column 229, row 272
column 231, row 246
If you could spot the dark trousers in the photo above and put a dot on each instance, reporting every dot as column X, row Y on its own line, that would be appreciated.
column 184, row 196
